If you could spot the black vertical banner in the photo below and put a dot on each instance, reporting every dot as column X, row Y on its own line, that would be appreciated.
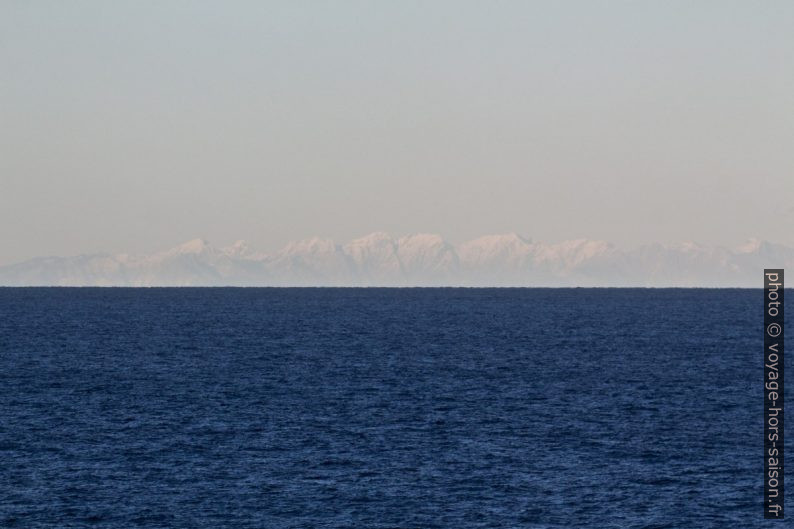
column 773, row 393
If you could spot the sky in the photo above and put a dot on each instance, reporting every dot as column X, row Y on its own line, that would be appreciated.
column 132, row 126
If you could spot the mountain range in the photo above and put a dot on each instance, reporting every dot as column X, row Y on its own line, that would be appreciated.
column 379, row 259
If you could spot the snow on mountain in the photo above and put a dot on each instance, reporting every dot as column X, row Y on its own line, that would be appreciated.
column 194, row 262
column 496, row 250
column 192, row 247
column 568, row 255
column 379, row 259
column 502, row 260
column 684, row 264
column 375, row 260
column 309, row 262
column 580, row 261
column 427, row 259
column 512, row 260
column 239, row 250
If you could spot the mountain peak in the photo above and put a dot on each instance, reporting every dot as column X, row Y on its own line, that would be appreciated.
column 424, row 239
column 193, row 246
column 237, row 249
column 376, row 237
column 501, row 239
column 313, row 245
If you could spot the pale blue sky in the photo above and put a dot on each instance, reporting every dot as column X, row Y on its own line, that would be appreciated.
column 132, row 126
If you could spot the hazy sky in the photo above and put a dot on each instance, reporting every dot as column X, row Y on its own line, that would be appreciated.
column 132, row 126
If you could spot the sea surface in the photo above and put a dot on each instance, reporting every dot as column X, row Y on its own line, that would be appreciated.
column 381, row 408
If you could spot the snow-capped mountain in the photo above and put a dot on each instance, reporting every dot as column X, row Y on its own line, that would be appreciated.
column 427, row 259
column 375, row 260
column 379, row 259
column 307, row 263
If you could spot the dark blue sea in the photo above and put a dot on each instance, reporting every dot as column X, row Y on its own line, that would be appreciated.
column 381, row 408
